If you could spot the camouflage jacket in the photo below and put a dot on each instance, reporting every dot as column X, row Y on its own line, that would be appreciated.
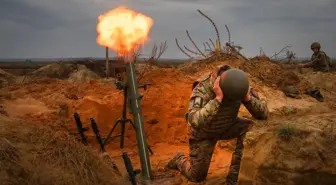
column 320, row 62
column 208, row 118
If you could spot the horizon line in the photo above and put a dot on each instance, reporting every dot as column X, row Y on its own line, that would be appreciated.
column 103, row 58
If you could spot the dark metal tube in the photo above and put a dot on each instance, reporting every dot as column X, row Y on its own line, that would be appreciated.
column 129, row 168
column 132, row 85
column 80, row 128
column 97, row 134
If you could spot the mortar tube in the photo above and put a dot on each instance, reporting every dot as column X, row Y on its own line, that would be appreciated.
column 133, row 94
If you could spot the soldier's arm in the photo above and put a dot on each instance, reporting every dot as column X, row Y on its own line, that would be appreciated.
column 199, row 112
column 324, row 62
column 320, row 59
column 312, row 62
column 257, row 108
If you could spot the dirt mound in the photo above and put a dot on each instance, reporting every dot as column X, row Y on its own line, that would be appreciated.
column 55, row 70
column 263, row 69
column 274, row 75
column 74, row 72
column 324, row 81
column 83, row 74
column 197, row 67
column 6, row 78
column 31, row 154
column 260, row 68
column 300, row 151
column 143, row 68
column 192, row 67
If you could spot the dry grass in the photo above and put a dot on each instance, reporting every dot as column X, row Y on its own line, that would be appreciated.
column 6, row 78
column 286, row 131
column 37, row 155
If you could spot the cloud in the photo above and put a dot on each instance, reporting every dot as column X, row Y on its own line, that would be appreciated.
column 67, row 28
column 26, row 13
column 44, row 14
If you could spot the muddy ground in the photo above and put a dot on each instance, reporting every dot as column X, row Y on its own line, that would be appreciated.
column 53, row 101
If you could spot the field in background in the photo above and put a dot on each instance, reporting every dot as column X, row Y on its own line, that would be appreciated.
column 97, row 65
column 23, row 67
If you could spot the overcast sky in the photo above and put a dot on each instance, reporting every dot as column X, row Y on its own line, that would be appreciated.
column 67, row 28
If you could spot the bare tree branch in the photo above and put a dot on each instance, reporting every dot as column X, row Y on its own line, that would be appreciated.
column 205, row 48
column 213, row 23
column 227, row 29
column 143, row 72
column 154, row 50
column 261, row 52
column 163, row 48
column 208, row 45
column 282, row 50
column 155, row 55
column 182, row 49
column 192, row 41
column 153, row 58
column 212, row 42
column 235, row 51
column 213, row 51
column 193, row 52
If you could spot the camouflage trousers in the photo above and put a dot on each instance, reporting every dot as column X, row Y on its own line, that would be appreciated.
column 200, row 153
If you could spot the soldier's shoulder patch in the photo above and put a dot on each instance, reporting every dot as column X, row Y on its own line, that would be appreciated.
column 196, row 102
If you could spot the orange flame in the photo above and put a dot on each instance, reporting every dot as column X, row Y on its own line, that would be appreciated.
column 122, row 30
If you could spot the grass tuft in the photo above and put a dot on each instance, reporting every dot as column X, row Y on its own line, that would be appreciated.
column 286, row 131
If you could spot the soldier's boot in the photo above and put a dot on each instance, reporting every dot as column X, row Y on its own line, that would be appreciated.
column 172, row 163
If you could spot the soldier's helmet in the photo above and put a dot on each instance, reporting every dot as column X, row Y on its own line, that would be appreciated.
column 315, row 45
column 235, row 85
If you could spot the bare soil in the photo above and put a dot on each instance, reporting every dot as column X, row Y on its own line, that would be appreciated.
column 53, row 101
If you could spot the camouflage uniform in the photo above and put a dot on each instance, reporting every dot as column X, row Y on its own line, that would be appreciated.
column 210, row 121
column 320, row 62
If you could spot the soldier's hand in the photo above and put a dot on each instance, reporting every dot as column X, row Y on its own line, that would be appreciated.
column 248, row 96
column 254, row 93
column 218, row 91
